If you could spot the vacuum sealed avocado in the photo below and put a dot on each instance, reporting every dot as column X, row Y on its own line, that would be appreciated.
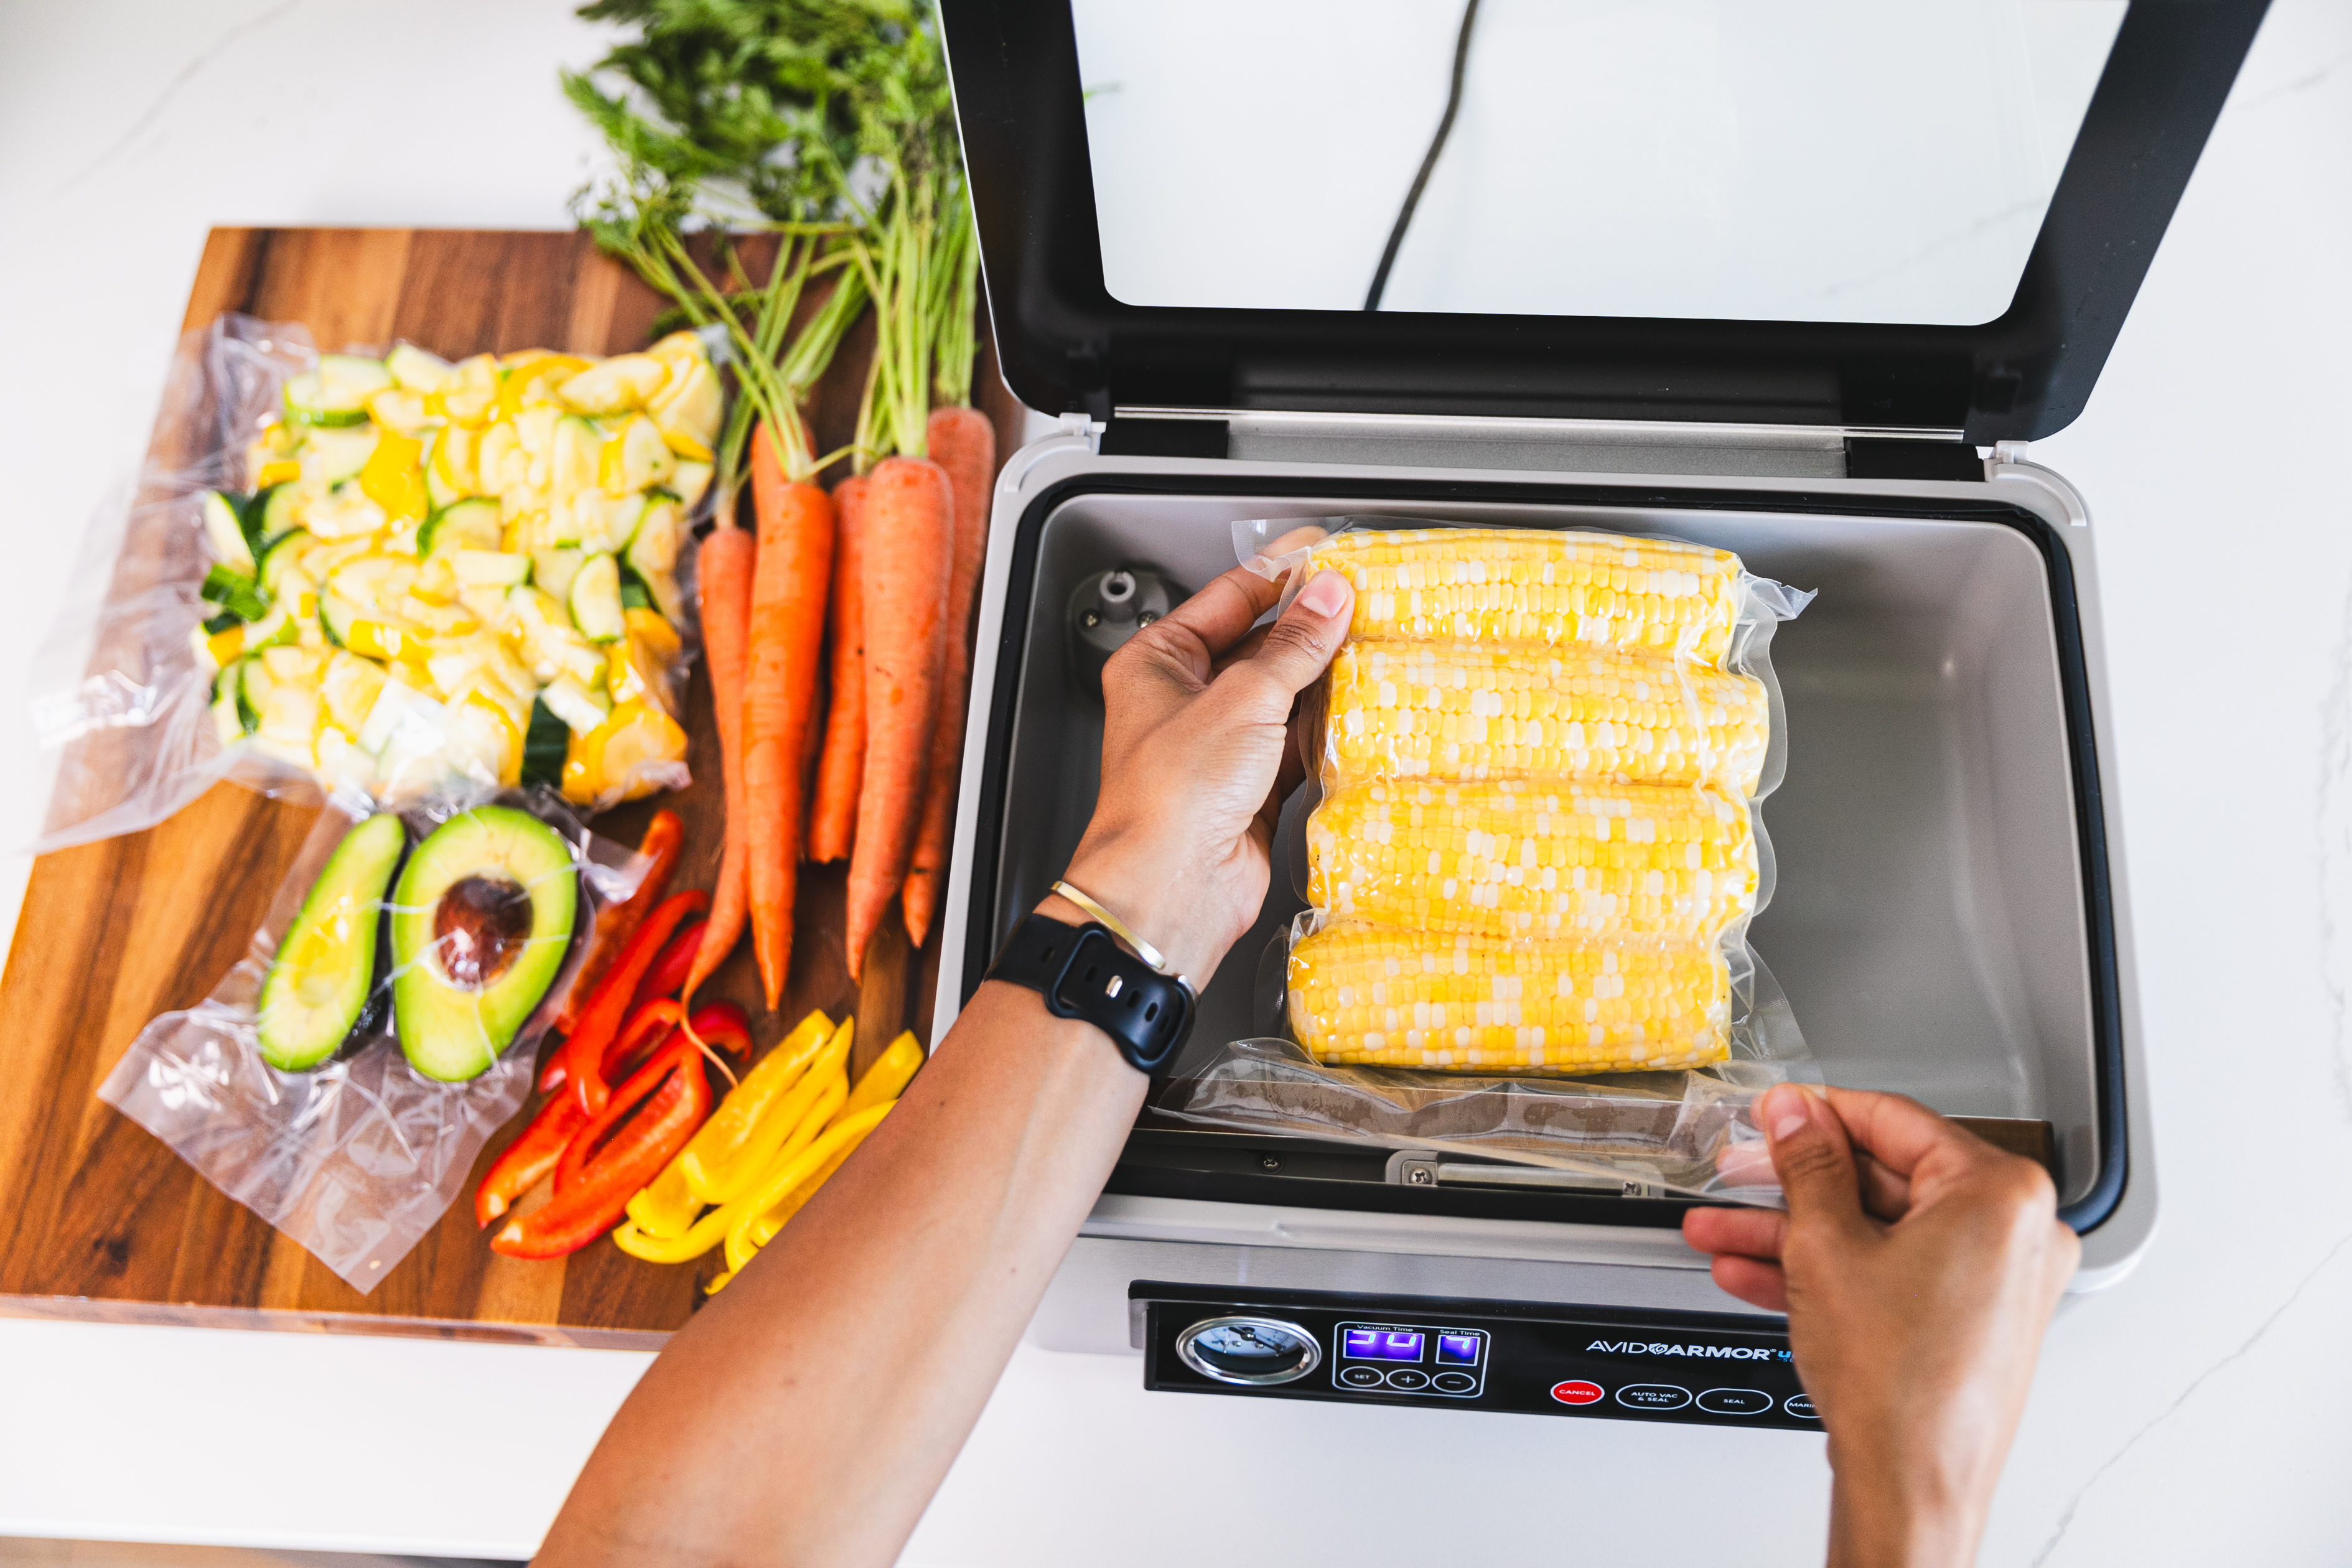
column 340, row 1080
column 481, row 924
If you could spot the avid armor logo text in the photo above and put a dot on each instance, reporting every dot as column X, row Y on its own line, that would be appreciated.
column 1721, row 1353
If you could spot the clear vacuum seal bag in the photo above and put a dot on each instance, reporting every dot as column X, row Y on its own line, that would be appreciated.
column 1533, row 859
column 342, row 1078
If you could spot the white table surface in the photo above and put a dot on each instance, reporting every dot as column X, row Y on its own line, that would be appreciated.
column 2193, row 1415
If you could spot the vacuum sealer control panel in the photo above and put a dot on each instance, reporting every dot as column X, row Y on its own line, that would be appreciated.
column 1530, row 1358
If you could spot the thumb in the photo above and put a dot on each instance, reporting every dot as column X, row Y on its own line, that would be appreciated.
column 1813, row 1158
column 1298, row 647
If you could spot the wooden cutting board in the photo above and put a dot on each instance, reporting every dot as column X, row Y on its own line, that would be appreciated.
column 102, row 1221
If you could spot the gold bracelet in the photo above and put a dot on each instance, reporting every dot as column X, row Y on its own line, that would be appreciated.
column 1142, row 949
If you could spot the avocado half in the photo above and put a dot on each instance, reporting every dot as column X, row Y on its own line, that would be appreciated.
column 320, row 991
column 480, row 923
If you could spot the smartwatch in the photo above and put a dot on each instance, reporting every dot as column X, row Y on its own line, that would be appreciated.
column 1084, row 972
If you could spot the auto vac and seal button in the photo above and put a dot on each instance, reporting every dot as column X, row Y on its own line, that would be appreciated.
column 1454, row 1383
column 1735, row 1402
column 1361, row 1377
column 1575, row 1391
column 1407, row 1379
column 1801, row 1406
column 1653, row 1397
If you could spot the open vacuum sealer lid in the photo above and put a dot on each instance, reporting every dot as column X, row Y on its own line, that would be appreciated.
column 1920, row 219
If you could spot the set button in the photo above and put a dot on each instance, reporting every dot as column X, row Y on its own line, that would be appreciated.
column 1575, row 1391
column 1361, row 1377
column 1801, row 1406
column 1653, row 1397
column 1406, row 1379
column 1454, row 1383
column 1735, row 1402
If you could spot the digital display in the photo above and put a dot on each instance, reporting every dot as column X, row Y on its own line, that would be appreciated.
column 1461, row 1350
column 1382, row 1344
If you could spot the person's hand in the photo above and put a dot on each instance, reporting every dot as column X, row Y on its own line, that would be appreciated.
column 1196, row 762
column 1918, row 1266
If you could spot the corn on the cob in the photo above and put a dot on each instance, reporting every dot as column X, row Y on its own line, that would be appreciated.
column 1368, row 994
column 1522, row 587
column 1533, row 861
column 1452, row 710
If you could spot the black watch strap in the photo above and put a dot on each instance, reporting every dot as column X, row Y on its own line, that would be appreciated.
column 1083, row 973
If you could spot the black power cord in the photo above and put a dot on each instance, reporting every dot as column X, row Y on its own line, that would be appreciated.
column 1428, row 161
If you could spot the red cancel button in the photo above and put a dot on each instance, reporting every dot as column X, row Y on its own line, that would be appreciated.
column 1576, row 1393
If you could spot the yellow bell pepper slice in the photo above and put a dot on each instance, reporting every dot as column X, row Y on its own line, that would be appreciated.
column 378, row 640
column 638, row 1240
column 722, row 1138
column 792, row 1174
column 779, row 1124
column 764, row 1228
column 280, row 471
column 887, row 1078
column 665, row 1209
column 225, row 646
column 394, row 476
column 538, row 371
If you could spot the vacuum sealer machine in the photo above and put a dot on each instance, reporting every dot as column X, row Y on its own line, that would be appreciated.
column 1949, row 921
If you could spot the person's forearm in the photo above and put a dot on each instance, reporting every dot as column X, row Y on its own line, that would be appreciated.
column 1880, row 1518
column 836, row 1378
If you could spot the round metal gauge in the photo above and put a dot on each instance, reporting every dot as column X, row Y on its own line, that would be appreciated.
column 1248, row 1350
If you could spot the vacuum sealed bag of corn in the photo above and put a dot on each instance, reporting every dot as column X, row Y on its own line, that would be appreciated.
column 1536, row 853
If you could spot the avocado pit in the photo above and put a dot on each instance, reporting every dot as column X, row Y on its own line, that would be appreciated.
column 479, row 928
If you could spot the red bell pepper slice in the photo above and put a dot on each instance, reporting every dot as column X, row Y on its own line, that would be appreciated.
column 600, row 1021
column 524, row 1162
column 663, row 834
column 646, row 1123
column 669, row 971
column 521, row 1165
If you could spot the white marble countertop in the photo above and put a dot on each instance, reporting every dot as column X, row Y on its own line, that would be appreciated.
column 2192, row 1415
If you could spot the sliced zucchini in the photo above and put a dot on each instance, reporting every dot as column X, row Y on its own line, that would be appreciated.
column 595, row 600
column 227, row 722
column 688, row 411
column 346, row 513
column 331, row 457
column 499, row 462
column 471, row 524
column 634, row 596
column 254, row 685
column 336, row 393
column 473, row 389
column 571, row 454
column 234, row 592
column 397, row 408
column 281, row 553
column 545, row 745
column 623, row 383
column 275, row 513
column 554, row 569
column 489, row 568
column 652, row 555
column 349, row 688
column 689, row 482
column 582, row 708
column 225, row 527
column 418, row 371
column 641, row 459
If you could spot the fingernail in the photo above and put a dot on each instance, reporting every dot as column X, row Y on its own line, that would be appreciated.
column 1784, row 1110
column 1326, row 594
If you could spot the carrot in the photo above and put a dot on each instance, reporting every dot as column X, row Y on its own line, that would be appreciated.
column 789, row 579
column 833, row 820
column 910, row 522
column 725, row 564
column 963, row 442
